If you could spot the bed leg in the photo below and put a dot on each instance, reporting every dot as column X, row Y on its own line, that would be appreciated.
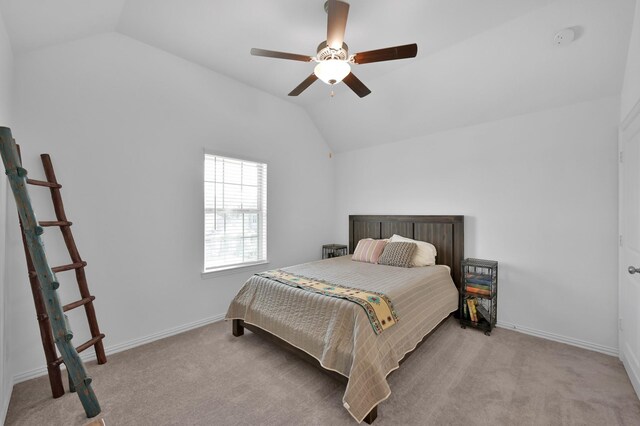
column 237, row 327
column 371, row 416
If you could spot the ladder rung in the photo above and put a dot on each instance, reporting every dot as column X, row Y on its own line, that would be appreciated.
column 70, row 306
column 81, row 348
column 43, row 183
column 79, row 303
column 55, row 223
column 63, row 268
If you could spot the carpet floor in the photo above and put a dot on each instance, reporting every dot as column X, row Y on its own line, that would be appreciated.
column 458, row 377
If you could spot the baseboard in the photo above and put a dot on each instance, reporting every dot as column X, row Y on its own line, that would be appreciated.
column 632, row 371
column 559, row 338
column 90, row 355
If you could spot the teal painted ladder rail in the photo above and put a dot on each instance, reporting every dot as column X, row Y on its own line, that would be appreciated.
column 32, row 230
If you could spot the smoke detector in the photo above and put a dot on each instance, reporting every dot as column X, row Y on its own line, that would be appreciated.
column 564, row 37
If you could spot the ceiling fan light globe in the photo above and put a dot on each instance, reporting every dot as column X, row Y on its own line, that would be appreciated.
column 332, row 71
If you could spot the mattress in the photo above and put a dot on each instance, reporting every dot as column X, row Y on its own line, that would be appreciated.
column 337, row 332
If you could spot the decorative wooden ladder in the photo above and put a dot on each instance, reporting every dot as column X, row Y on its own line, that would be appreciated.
column 53, row 361
column 54, row 327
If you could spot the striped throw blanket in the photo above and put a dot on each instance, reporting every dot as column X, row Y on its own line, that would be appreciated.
column 378, row 306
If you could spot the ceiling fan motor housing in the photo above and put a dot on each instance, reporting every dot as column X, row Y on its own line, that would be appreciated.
column 324, row 52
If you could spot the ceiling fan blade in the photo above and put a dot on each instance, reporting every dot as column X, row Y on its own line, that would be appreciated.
column 337, row 13
column 280, row 55
column 302, row 86
column 356, row 85
column 388, row 54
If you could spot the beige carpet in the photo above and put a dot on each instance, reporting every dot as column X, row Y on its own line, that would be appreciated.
column 458, row 377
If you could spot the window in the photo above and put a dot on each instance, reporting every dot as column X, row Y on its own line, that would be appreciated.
column 235, row 213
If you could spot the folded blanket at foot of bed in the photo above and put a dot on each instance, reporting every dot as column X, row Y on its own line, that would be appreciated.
column 377, row 305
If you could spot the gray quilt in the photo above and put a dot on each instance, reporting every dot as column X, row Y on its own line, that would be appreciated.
column 337, row 332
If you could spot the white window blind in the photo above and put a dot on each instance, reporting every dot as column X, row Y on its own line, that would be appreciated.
column 235, row 212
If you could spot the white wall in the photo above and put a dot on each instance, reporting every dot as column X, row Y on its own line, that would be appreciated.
column 126, row 125
column 6, row 72
column 631, row 88
column 539, row 193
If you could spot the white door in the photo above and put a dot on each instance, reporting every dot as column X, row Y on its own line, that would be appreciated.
column 629, row 255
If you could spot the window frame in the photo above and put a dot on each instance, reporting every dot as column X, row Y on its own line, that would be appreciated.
column 231, row 269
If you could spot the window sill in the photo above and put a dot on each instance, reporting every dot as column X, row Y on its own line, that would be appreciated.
column 231, row 270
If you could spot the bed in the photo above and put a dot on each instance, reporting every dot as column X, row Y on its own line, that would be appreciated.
column 336, row 334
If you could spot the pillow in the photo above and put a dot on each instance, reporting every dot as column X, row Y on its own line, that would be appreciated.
column 425, row 253
column 369, row 250
column 398, row 254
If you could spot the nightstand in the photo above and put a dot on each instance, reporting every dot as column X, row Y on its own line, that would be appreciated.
column 334, row 250
column 479, row 294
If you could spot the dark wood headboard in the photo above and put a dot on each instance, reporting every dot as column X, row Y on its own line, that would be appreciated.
column 446, row 233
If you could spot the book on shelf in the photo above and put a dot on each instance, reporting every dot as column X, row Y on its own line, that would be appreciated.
column 478, row 291
column 473, row 307
column 479, row 275
column 478, row 278
column 472, row 310
column 478, row 286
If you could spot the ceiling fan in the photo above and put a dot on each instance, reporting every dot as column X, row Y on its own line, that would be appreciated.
column 332, row 57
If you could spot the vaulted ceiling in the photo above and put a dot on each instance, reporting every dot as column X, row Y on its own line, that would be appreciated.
column 477, row 60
